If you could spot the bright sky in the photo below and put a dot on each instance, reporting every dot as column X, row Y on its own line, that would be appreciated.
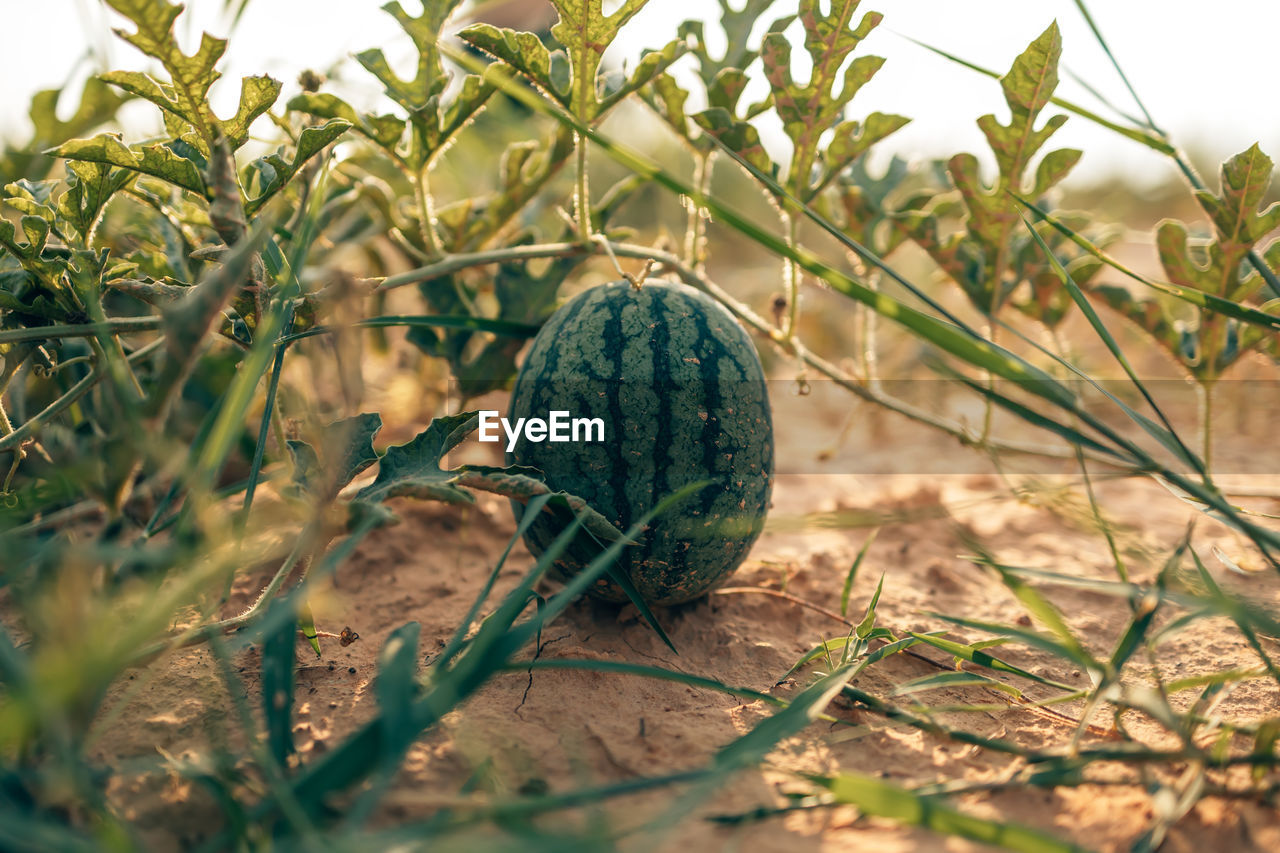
column 1203, row 69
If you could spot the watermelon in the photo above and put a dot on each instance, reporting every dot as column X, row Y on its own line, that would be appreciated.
column 679, row 388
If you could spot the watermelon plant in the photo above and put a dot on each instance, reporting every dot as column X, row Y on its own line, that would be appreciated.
column 198, row 319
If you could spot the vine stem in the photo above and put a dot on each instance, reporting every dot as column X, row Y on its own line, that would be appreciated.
column 582, row 194
column 1205, row 401
column 117, row 326
column 857, row 386
column 791, row 276
column 426, row 212
column 696, row 226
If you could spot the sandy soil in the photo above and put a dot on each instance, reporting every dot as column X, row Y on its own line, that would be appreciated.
column 557, row 730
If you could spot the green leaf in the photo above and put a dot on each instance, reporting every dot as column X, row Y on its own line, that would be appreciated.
column 737, row 25
column 524, row 52
column 983, row 257
column 586, row 32
column 1055, row 166
column 433, row 123
column 192, row 75
column 524, row 169
column 257, row 95
column 1142, row 136
column 430, row 79
column 147, row 87
column 346, row 449
column 526, row 295
column 810, row 110
column 723, row 77
column 386, row 131
column 275, row 172
column 89, row 187
column 98, row 103
column 852, row 139
column 157, row 160
column 1216, row 267
column 739, row 136
column 413, row 469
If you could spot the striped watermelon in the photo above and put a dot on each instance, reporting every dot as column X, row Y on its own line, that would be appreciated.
column 681, row 392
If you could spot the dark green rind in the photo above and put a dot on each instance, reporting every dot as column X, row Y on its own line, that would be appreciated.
column 682, row 394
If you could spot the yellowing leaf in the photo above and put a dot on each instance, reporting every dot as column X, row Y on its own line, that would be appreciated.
column 157, row 160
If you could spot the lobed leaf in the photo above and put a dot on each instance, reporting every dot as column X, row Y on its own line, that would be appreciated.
column 1216, row 267
column 989, row 258
column 89, row 187
column 413, row 469
column 346, row 449
column 275, row 172
column 159, row 160
column 386, row 130
column 808, row 111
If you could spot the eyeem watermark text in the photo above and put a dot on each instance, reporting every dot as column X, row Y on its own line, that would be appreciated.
column 558, row 427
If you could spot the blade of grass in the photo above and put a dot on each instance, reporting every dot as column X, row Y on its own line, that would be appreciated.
column 1086, row 308
column 1041, row 610
column 954, row 679
column 1072, row 435
column 643, row 671
column 1238, row 615
column 264, row 427
column 863, row 629
column 1103, row 524
column 981, row 658
column 1101, row 98
column 880, row 799
column 751, row 748
column 615, row 574
column 277, row 686
column 530, row 514
column 853, row 571
column 1145, row 611
column 1067, row 651
column 396, row 688
column 825, row 648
